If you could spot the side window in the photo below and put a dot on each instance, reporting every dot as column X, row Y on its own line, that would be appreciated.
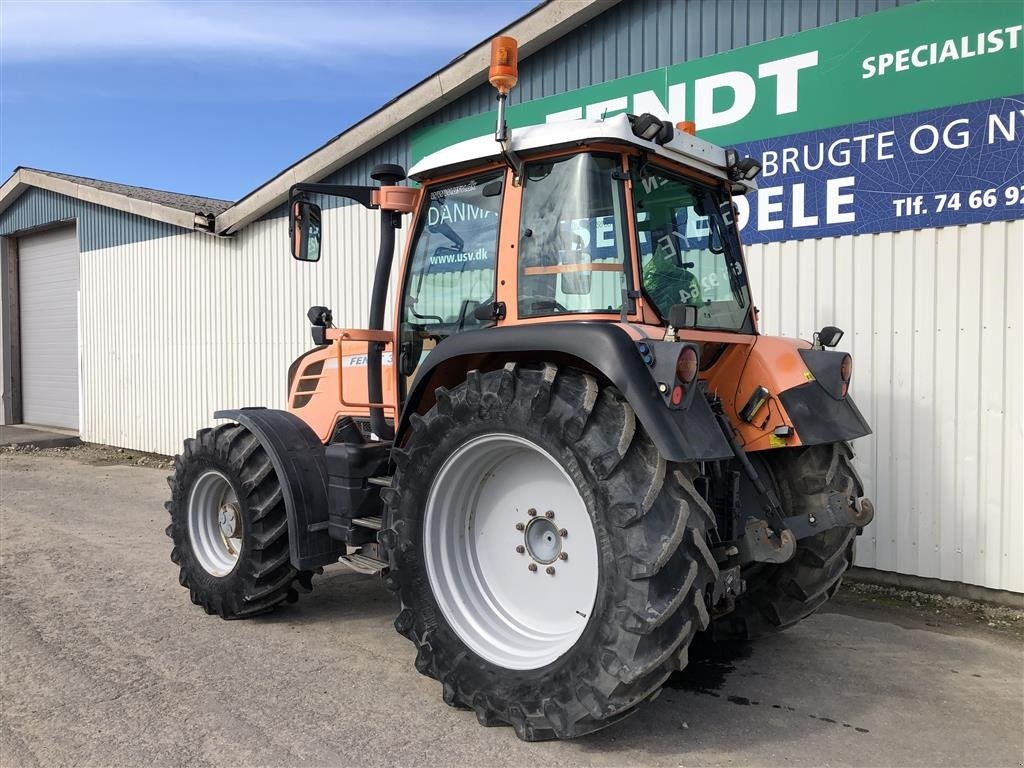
column 452, row 269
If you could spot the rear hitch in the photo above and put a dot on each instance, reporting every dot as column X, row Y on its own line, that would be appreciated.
column 841, row 511
column 760, row 544
column 727, row 588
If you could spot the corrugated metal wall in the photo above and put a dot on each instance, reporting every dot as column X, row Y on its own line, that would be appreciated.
column 181, row 326
column 178, row 327
column 933, row 321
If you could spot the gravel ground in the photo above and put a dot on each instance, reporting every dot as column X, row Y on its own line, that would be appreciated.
column 104, row 661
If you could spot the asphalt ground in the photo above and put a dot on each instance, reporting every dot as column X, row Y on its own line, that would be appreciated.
column 104, row 661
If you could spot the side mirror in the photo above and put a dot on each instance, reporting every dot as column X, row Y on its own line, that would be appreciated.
column 682, row 315
column 304, row 227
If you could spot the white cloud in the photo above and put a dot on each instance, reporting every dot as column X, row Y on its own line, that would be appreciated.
column 324, row 33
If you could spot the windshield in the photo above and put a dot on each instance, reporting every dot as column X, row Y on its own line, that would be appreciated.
column 689, row 250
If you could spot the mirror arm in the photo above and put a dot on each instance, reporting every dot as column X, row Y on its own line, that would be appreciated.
column 361, row 195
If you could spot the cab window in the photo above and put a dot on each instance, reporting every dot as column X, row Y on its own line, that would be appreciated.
column 573, row 242
column 452, row 266
column 689, row 250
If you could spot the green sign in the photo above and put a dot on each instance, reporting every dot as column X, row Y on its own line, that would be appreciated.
column 931, row 54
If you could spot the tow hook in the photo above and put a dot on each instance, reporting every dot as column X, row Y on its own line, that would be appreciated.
column 760, row 544
column 863, row 513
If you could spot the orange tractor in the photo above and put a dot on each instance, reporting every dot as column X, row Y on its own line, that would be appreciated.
column 574, row 451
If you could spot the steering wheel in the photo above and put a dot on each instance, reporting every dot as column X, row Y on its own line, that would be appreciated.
column 418, row 316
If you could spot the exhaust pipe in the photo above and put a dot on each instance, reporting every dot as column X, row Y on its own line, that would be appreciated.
column 387, row 175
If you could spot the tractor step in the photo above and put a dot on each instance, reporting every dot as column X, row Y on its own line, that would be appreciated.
column 368, row 522
column 383, row 482
column 363, row 564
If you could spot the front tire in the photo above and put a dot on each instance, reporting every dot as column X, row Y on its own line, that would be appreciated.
column 229, row 525
column 635, row 528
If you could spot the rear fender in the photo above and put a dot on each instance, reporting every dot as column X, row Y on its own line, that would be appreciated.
column 297, row 456
column 687, row 434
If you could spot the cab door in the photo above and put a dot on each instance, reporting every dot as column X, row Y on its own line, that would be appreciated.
column 452, row 265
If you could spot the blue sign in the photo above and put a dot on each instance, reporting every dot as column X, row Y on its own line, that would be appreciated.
column 939, row 168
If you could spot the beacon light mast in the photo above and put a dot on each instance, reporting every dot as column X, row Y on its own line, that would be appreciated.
column 503, row 75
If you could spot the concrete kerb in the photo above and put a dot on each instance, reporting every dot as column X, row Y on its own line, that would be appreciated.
column 38, row 437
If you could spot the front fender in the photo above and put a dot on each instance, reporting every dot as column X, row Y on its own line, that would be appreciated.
column 297, row 456
column 690, row 434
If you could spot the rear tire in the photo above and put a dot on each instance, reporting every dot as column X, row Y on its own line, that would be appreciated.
column 649, row 524
column 779, row 596
column 248, row 572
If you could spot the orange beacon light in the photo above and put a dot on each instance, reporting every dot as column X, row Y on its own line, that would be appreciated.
column 504, row 71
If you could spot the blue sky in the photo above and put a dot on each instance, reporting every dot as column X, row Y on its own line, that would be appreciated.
column 211, row 98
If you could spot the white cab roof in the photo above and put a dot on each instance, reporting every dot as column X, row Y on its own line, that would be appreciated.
column 683, row 148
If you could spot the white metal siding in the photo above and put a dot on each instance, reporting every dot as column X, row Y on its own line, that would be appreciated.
column 933, row 322
column 48, row 295
column 181, row 326
column 178, row 327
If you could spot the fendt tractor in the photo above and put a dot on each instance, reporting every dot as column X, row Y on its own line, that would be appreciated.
column 572, row 454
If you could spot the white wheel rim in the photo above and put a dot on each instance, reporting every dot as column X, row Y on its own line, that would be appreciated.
column 480, row 540
column 214, row 523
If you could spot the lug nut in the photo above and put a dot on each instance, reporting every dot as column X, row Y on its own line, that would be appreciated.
column 549, row 571
column 532, row 566
column 562, row 532
column 520, row 526
column 520, row 549
column 549, row 514
column 563, row 555
column 531, row 512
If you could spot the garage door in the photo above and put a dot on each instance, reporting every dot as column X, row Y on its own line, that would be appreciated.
column 48, row 295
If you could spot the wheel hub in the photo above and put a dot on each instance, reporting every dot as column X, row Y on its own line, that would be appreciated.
column 229, row 520
column 543, row 542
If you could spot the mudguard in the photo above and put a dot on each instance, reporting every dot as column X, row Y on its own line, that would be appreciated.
column 821, row 410
column 688, row 434
column 298, row 459
column 819, row 418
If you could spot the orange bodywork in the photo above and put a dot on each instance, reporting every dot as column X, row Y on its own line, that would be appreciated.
column 320, row 396
column 331, row 381
column 767, row 361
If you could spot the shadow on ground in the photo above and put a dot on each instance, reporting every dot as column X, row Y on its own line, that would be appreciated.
column 743, row 684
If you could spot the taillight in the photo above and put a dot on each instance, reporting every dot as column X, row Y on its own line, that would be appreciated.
column 686, row 374
column 677, row 394
column 686, row 365
column 846, row 372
